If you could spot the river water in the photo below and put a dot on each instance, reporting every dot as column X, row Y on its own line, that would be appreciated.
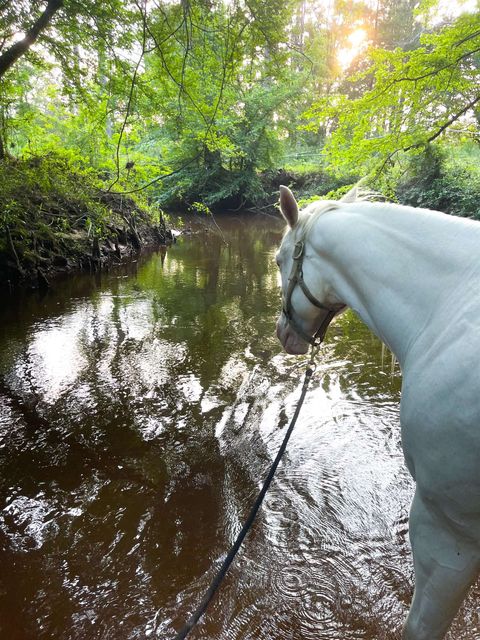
column 139, row 413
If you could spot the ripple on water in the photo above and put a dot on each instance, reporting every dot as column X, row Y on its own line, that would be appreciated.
column 332, row 564
column 28, row 522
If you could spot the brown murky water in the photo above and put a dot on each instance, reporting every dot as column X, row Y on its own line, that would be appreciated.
column 139, row 413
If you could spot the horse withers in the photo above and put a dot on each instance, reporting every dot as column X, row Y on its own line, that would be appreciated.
column 413, row 276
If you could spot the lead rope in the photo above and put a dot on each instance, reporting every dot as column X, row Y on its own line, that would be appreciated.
column 200, row 610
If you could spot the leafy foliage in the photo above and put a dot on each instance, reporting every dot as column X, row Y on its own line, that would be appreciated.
column 443, row 178
column 414, row 97
column 193, row 100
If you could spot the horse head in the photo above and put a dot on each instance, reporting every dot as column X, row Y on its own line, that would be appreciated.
column 309, row 302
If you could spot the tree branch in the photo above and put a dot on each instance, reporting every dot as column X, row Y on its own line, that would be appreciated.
column 445, row 125
column 209, row 124
column 13, row 53
column 423, row 143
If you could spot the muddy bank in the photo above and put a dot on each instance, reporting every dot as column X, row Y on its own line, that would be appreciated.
column 54, row 220
column 36, row 263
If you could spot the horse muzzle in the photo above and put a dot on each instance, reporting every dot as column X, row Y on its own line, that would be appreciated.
column 289, row 339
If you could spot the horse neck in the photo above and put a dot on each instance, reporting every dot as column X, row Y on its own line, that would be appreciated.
column 399, row 268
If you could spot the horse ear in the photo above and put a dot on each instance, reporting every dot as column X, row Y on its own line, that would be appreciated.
column 288, row 206
column 350, row 196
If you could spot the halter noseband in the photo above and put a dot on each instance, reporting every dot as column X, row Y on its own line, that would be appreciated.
column 296, row 277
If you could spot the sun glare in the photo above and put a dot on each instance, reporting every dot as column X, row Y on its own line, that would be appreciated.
column 357, row 41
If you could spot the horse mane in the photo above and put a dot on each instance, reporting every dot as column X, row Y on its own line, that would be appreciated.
column 314, row 210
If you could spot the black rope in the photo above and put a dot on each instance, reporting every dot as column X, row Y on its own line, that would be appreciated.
column 195, row 617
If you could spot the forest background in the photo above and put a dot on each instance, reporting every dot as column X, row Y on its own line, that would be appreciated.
column 208, row 105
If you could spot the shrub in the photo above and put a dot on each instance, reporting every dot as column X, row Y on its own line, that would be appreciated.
column 446, row 177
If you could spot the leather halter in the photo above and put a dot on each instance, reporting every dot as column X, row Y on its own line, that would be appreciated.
column 296, row 278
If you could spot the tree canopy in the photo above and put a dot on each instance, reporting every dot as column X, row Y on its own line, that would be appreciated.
column 193, row 99
column 408, row 97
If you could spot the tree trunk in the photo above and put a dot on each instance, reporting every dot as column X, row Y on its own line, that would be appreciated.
column 13, row 53
column 3, row 133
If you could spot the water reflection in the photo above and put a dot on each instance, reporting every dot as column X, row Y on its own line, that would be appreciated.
column 139, row 413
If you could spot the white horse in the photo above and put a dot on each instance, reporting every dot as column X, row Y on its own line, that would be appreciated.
column 413, row 276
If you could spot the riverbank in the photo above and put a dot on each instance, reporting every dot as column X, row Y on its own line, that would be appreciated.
column 55, row 219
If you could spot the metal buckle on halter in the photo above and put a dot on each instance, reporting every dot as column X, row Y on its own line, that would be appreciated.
column 298, row 251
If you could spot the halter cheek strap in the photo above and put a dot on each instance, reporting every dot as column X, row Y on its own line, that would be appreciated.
column 296, row 278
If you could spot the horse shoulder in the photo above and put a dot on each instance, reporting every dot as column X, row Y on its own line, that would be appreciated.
column 440, row 421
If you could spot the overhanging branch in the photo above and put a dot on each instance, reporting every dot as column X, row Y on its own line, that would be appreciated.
column 445, row 125
column 13, row 53
column 423, row 143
